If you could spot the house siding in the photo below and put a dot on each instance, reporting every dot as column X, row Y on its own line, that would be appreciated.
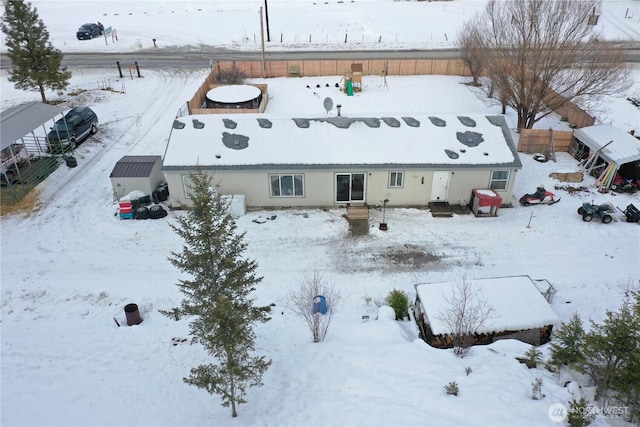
column 319, row 187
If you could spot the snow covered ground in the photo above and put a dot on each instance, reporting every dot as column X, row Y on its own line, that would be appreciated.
column 69, row 266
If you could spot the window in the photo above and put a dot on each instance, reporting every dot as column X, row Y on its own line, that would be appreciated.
column 396, row 179
column 187, row 185
column 499, row 180
column 287, row 185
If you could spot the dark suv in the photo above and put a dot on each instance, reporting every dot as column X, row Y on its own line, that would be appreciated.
column 69, row 131
column 89, row 31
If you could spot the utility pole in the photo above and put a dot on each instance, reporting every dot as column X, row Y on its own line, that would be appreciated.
column 264, row 65
column 266, row 17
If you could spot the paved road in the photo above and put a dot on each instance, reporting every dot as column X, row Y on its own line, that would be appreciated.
column 197, row 57
column 203, row 56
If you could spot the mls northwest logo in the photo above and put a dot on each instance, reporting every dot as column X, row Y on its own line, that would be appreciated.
column 557, row 412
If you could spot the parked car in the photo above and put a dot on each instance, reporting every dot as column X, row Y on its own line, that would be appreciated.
column 72, row 129
column 89, row 31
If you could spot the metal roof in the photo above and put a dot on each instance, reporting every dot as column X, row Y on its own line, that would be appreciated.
column 624, row 147
column 18, row 121
column 134, row 166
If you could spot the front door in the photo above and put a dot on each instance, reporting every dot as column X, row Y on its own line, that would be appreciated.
column 350, row 187
column 440, row 186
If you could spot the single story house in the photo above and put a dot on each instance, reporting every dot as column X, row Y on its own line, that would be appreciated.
column 276, row 161
column 141, row 173
column 519, row 311
column 604, row 148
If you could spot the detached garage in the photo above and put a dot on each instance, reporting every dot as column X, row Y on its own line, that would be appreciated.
column 142, row 173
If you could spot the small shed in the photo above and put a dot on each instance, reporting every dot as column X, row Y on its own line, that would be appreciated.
column 519, row 311
column 605, row 150
column 143, row 173
column 485, row 202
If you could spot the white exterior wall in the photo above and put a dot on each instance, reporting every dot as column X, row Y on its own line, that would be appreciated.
column 320, row 187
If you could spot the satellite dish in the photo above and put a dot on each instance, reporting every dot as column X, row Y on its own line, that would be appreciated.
column 328, row 104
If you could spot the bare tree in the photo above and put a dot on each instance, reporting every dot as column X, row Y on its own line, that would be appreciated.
column 541, row 55
column 304, row 300
column 472, row 47
column 466, row 312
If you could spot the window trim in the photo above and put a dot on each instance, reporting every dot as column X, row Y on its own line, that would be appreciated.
column 187, row 185
column 395, row 184
column 493, row 181
column 293, row 180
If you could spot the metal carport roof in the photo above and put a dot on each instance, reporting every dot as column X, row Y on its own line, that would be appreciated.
column 624, row 147
column 18, row 121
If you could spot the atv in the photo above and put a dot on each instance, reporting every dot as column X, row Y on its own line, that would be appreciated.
column 540, row 197
column 603, row 211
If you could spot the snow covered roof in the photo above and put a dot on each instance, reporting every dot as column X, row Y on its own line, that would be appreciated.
column 625, row 147
column 18, row 121
column 243, row 141
column 516, row 302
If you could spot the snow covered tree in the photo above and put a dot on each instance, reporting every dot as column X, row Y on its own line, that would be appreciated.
column 540, row 55
column 216, row 296
column 35, row 63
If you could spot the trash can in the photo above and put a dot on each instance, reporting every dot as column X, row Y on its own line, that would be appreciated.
column 163, row 193
column 133, row 315
column 71, row 162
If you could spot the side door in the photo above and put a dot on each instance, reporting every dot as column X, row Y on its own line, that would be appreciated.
column 440, row 186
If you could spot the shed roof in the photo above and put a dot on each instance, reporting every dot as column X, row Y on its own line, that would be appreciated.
column 625, row 147
column 134, row 166
column 251, row 141
column 516, row 302
column 18, row 121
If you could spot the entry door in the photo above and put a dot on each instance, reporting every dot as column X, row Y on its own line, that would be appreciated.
column 440, row 186
column 350, row 187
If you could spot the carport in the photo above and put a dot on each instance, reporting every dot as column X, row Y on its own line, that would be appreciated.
column 26, row 160
column 605, row 150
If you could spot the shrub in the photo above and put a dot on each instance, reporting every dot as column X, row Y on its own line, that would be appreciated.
column 399, row 302
column 452, row 388
column 536, row 389
column 579, row 414
column 531, row 358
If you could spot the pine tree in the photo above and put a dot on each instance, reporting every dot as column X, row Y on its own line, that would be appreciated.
column 626, row 381
column 568, row 342
column 217, row 296
column 609, row 349
column 35, row 63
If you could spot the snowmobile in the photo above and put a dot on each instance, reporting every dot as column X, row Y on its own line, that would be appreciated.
column 540, row 197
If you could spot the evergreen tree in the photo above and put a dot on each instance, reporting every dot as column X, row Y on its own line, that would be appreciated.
column 626, row 381
column 611, row 350
column 566, row 347
column 35, row 63
column 217, row 296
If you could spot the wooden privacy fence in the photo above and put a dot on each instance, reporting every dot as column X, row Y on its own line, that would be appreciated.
column 539, row 140
column 404, row 67
column 531, row 140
